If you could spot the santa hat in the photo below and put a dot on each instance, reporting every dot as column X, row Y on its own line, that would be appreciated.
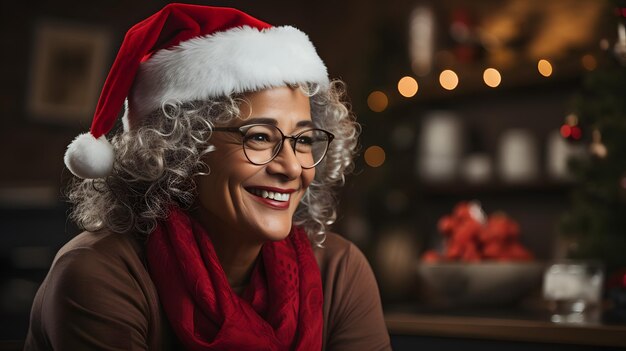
column 190, row 52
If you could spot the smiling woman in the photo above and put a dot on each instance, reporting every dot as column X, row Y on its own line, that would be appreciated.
column 207, row 216
column 228, row 199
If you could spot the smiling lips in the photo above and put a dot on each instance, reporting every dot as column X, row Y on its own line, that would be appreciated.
column 276, row 198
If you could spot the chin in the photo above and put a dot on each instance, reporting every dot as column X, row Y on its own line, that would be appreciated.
column 274, row 231
column 278, row 235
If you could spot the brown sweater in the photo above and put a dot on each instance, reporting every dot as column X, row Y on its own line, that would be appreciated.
column 99, row 295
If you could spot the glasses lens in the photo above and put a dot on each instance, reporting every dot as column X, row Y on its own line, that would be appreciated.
column 261, row 143
column 310, row 147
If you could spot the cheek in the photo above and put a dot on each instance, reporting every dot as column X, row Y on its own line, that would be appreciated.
column 208, row 191
column 221, row 190
column 307, row 177
column 213, row 187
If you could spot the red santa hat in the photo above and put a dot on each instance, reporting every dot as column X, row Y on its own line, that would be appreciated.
column 190, row 52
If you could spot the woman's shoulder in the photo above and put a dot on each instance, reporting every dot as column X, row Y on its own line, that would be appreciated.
column 352, row 308
column 338, row 253
column 100, row 255
column 96, row 291
column 102, row 247
column 93, row 260
column 103, row 242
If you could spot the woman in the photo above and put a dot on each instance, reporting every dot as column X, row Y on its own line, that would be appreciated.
column 207, row 215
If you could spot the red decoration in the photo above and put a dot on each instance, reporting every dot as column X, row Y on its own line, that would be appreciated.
column 469, row 237
column 571, row 132
column 566, row 131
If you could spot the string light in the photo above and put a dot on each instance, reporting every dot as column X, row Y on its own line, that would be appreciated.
column 407, row 86
column 492, row 77
column 544, row 67
column 377, row 101
column 448, row 79
column 375, row 156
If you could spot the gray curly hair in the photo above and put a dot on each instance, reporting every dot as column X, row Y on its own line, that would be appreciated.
column 157, row 162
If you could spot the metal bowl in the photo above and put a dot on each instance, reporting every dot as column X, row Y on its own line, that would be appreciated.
column 487, row 284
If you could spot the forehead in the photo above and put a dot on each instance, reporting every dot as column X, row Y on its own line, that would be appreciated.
column 284, row 104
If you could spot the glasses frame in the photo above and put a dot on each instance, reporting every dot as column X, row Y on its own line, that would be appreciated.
column 244, row 129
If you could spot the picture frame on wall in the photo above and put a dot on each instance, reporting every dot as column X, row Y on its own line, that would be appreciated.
column 68, row 68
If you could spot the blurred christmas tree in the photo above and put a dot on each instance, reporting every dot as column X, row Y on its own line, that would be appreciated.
column 597, row 218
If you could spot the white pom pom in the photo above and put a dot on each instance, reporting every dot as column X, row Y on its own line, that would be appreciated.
column 90, row 158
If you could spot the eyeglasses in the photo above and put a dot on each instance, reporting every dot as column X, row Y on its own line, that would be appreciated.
column 263, row 142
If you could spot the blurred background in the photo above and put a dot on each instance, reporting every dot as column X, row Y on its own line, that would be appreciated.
column 492, row 148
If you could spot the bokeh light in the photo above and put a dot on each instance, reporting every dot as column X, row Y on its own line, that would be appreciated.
column 604, row 44
column 448, row 79
column 545, row 68
column 377, row 101
column 407, row 86
column 589, row 62
column 375, row 156
column 492, row 77
column 571, row 119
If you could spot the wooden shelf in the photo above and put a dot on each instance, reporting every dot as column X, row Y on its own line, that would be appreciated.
column 509, row 329
column 493, row 188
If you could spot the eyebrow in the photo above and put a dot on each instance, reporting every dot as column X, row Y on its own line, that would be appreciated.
column 272, row 121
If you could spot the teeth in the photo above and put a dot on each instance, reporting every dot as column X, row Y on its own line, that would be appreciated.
column 270, row 195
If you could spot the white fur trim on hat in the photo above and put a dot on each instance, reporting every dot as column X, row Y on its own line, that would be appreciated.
column 89, row 158
column 238, row 60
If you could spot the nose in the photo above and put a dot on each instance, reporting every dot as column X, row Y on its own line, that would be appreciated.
column 285, row 163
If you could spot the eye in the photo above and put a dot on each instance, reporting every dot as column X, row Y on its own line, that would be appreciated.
column 258, row 137
column 305, row 140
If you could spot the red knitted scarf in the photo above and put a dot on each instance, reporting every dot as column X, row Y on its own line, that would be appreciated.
column 280, row 310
